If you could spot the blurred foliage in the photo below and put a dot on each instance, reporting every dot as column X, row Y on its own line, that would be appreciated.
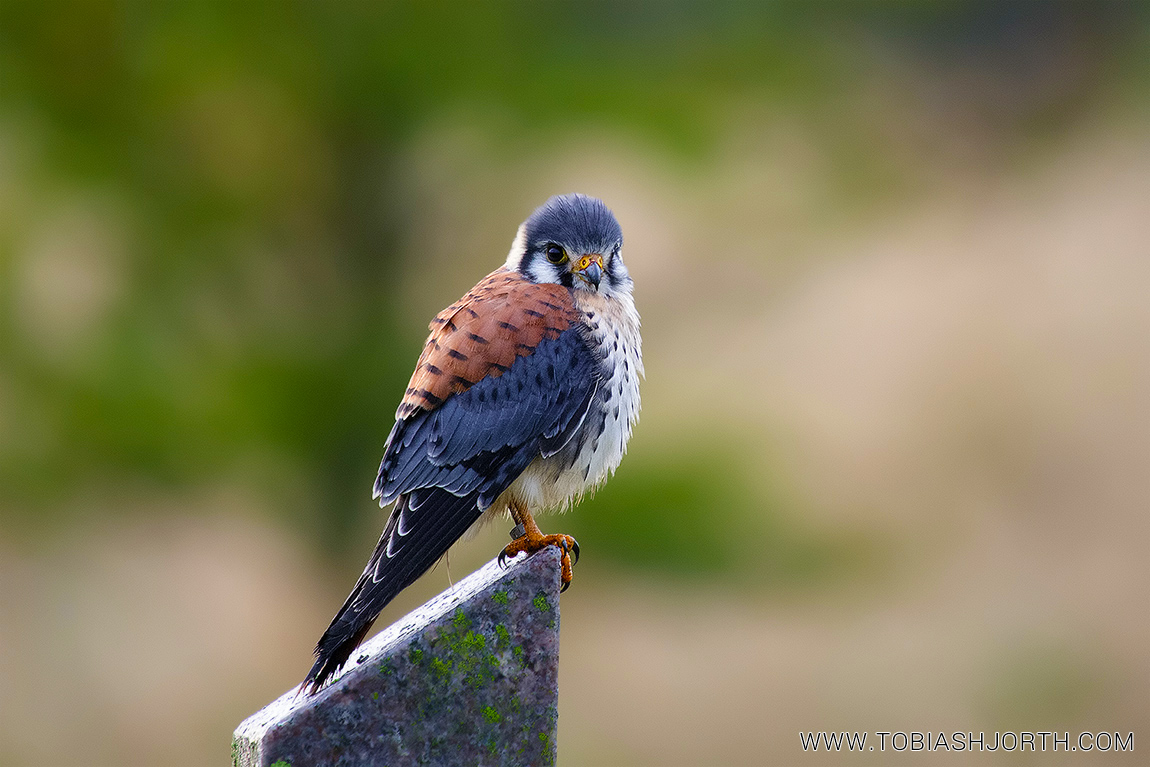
column 1038, row 680
column 686, row 512
column 210, row 196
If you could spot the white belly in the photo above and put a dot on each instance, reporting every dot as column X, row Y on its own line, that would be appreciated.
column 595, row 452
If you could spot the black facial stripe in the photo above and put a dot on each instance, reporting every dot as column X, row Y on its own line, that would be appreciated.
column 615, row 276
column 527, row 267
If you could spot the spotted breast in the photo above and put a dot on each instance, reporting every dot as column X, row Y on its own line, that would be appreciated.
column 609, row 326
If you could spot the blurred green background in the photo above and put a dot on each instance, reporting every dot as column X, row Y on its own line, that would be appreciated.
column 892, row 264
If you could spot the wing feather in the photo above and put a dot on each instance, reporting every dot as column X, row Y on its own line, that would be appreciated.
column 428, row 448
column 480, row 336
column 500, row 382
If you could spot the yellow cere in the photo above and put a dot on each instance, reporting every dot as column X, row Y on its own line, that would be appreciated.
column 586, row 261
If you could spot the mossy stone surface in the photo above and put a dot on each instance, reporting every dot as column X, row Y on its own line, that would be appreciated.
column 470, row 678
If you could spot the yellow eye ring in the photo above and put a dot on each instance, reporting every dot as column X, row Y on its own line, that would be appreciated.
column 556, row 254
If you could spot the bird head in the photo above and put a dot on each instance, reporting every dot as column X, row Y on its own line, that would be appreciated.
column 575, row 241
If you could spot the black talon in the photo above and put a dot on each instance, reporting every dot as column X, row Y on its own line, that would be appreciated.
column 564, row 587
column 575, row 551
column 502, row 559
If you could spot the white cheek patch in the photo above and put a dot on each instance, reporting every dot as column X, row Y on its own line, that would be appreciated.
column 618, row 281
column 518, row 249
column 536, row 269
column 531, row 272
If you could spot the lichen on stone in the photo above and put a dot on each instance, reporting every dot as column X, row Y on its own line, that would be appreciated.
column 474, row 683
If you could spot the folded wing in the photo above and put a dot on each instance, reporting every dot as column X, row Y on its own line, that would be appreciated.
column 505, row 377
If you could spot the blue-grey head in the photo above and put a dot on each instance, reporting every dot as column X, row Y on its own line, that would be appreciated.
column 575, row 241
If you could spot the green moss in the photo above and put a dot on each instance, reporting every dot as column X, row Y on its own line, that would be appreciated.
column 541, row 602
column 281, row 763
column 415, row 655
column 500, row 597
column 502, row 636
column 464, row 654
column 491, row 715
column 441, row 668
column 473, row 660
column 548, row 751
column 473, row 642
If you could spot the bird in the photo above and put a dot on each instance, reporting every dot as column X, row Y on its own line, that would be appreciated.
column 523, row 400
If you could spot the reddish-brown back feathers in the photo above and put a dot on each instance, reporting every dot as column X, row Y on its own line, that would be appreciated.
column 504, row 317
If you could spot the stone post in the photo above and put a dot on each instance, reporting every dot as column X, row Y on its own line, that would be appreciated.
column 469, row 678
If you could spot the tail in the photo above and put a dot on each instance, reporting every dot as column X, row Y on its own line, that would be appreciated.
column 420, row 530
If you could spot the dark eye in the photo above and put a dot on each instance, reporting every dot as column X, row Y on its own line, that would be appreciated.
column 556, row 254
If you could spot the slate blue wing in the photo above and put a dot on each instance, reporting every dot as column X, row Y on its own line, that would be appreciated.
column 444, row 467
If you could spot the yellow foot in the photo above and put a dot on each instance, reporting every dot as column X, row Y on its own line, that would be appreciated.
column 532, row 541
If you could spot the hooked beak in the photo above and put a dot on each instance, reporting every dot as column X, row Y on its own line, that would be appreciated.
column 590, row 268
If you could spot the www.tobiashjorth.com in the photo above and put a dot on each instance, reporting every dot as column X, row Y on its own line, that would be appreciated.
column 967, row 741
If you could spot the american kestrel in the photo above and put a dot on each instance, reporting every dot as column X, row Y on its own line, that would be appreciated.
column 523, row 399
